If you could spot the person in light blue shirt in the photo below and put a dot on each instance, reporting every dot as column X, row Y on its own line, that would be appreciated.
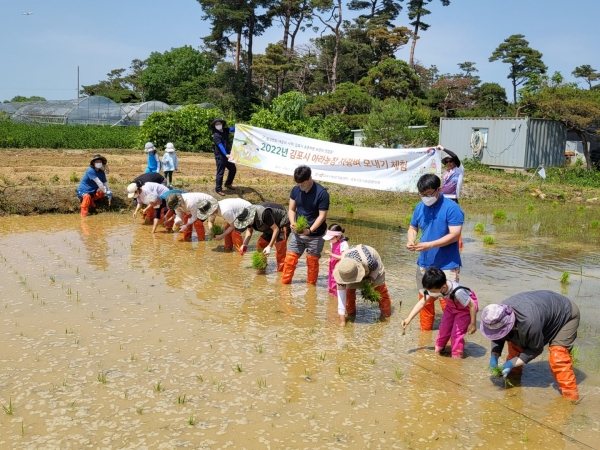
column 439, row 221
column 170, row 164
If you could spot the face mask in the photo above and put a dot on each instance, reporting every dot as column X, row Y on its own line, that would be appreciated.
column 219, row 127
column 98, row 165
column 429, row 200
column 434, row 294
column 305, row 188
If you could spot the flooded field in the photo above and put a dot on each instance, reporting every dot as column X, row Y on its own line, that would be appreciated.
column 115, row 338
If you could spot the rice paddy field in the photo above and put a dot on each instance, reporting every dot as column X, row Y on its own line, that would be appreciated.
column 114, row 338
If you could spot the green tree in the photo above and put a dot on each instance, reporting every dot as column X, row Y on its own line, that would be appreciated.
column 22, row 99
column 383, row 12
column 392, row 78
column 348, row 98
column 330, row 13
column 452, row 93
column 416, row 11
column 269, row 71
column 523, row 60
column 587, row 73
column 490, row 99
column 115, row 88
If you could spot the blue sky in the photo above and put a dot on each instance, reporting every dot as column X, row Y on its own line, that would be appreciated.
column 40, row 53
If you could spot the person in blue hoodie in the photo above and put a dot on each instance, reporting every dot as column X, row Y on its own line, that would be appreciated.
column 170, row 164
column 222, row 155
column 153, row 158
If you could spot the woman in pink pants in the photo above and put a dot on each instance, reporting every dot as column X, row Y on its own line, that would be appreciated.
column 459, row 315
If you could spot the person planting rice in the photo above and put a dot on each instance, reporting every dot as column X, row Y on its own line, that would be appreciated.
column 93, row 185
column 140, row 195
column 149, row 177
column 272, row 220
column 310, row 200
column 440, row 221
column 460, row 313
column 158, row 205
column 360, row 263
column 229, row 209
column 527, row 322
column 185, row 207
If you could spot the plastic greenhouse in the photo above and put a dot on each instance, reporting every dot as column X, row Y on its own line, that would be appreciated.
column 201, row 105
column 95, row 110
column 136, row 113
column 11, row 108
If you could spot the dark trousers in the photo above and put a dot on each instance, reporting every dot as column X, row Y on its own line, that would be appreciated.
column 169, row 176
column 222, row 164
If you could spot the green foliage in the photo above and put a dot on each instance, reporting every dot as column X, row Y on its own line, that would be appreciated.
column 368, row 292
column 350, row 209
column 22, row 99
column 187, row 128
column 530, row 208
column 259, row 260
column 21, row 135
column 301, row 224
column 333, row 129
column 74, row 178
column 216, row 230
column 499, row 214
column 489, row 240
column 594, row 223
column 348, row 98
column 490, row 100
column 392, row 78
column 479, row 228
column 587, row 73
column 565, row 278
column 575, row 352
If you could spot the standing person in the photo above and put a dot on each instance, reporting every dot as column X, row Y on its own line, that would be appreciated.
column 311, row 200
column 93, row 185
column 528, row 321
column 140, row 195
column 360, row 263
column 440, row 220
column 460, row 313
column 170, row 164
column 185, row 207
column 452, row 178
column 228, row 209
column 222, row 156
column 272, row 220
column 153, row 158
column 339, row 244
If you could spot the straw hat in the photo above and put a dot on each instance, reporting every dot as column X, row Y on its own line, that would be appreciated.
column 206, row 208
column 174, row 200
column 170, row 148
column 496, row 321
column 149, row 147
column 132, row 190
column 348, row 271
column 245, row 217
column 97, row 156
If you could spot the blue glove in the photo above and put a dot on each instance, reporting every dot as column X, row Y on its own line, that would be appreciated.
column 493, row 361
column 222, row 148
column 506, row 368
column 232, row 129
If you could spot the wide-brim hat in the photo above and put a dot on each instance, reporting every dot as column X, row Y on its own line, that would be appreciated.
column 218, row 119
column 170, row 148
column 447, row 154
column 100, row 157
column 348, row 271
column 245, row 217
column 206, row 208
column 173, row 201
column 149, row 147
column 496, row 321
column 132, row 190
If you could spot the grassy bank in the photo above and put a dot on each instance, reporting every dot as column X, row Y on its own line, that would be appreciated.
column 39, row 181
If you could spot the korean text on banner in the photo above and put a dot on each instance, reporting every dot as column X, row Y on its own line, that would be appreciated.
column 374, row 168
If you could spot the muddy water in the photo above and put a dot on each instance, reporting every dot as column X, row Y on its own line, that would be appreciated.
column 115, row 338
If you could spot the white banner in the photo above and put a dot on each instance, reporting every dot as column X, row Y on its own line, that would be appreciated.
column 374, row 168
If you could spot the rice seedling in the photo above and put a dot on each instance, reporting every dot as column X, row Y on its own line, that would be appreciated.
column 350, row 209
column 374, row 361
column 52, row 279
column 261, row 382
column 368, row 292
column 216, row 230
column 565, row 278
column 489, row 240
column 220, row 386
column 22, row 428
column 191, row 421
column 496, row 371
column 575, row 361
column 238, row 368
column 342, row 371
column 322, row 356
column 259, row 261
column 102, row 377
column 181, row 400
column 595, row 224
column 398, row 373
column 301, row 224
column 259, row 348
column 132, row 357
column 530, row 208
column 8, row 409
column 158, row 387
column 479, row 228
column 126, row 394
column 139, row 410
column 499, row 214
column 555, row 204
column 525, row 437
column 200, row 378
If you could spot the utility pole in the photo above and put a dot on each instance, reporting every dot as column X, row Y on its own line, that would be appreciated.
column 77, row 81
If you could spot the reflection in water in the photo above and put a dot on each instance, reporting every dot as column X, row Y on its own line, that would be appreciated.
column 114, row 337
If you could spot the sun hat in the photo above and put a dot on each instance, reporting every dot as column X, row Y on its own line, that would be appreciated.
column 206, row 208
column 149, row 147
column 331, row 234
column 174, row 200
column 496, row 321
column 447, row 154
column 348, row 271
column 245, row 217
column 218, row 119
column 97, row 156
column 170, row 148
column 132, row 190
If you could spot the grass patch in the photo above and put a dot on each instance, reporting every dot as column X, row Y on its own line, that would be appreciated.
column 499, row 214
column 555, row 204
column 530, row 208
column 350, row 209
column 301, row 224
column 489, row 240
column 594, row 223
column 565, row 277
column 368, row 292
column 74, row 178
column 479, row 228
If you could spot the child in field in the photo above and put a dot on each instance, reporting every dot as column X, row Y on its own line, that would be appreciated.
column 459, row 314
column 339, row 243
column 153, row 158
column 170, row 164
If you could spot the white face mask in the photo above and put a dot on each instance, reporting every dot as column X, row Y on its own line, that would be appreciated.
column 429, row 200
column 219, row 127
column 98, row 165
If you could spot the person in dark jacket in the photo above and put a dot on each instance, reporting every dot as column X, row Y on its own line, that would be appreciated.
column 222, row 155
column 272, row 220
column 528, row 321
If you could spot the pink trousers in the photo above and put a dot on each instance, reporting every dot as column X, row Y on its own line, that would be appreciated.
column 455, row 321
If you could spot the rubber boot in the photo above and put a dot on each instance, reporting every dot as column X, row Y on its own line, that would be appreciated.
column 261, row 244
column 281, row 248
column 350, row 301
column 86, row 200
column 312, row 265
column 199, row 227
column 291, row 261
column 460, row 242
column 514, row 351
column 561, row 365
column 385, row 303
column 427, row 314
column 97, row 196
column 169, row 226
column 233, row 239
column 186, row 235
column 149, row 216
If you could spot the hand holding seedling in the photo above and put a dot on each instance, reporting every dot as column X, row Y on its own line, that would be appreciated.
column 218, row 237
column 267, row 250
column 507, row 367
column 422, row 246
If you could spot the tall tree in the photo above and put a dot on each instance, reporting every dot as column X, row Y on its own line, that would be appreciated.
column 455, row 92
column 392, row 78
column 468, row 68
column 416, row 11
column 523, row 60
column 587, row 73
column 330, row 15
column 490, row 99
column 383, row 12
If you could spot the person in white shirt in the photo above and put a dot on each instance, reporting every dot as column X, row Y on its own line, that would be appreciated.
column 186, row 209
column 229, row 209
column 140, row 194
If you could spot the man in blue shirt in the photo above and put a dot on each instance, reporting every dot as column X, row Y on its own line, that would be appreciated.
column 440, row 221
column 93, row 185
column 311, row 200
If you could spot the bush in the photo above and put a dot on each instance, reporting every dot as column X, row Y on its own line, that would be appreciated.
column 187, row 128
column 22, row 135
